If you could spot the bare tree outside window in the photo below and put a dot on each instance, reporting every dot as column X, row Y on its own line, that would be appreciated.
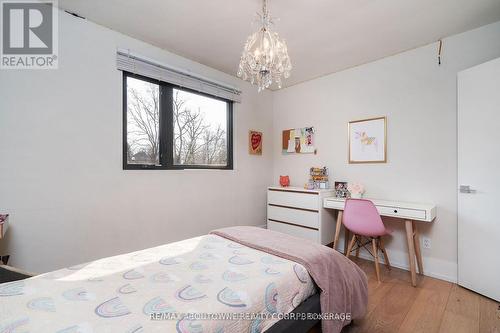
column 143, row 122
column 199, row 129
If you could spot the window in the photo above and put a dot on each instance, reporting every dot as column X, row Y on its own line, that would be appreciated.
column 170, row 127
column 143, row 122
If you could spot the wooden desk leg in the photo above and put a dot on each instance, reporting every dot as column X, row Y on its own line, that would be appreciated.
column 411, row 251
column 337, row 229
column 418, row 253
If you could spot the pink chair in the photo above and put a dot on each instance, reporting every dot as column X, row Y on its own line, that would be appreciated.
column 363, row 220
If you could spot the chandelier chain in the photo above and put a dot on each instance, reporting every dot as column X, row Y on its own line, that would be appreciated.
column 265, row 13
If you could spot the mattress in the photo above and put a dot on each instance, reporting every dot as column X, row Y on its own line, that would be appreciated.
column 203, row 284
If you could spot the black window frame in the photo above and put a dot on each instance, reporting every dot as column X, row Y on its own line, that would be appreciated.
column 166, row 118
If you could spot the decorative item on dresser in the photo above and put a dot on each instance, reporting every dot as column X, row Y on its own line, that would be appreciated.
column 299, row 212
column 318, row 179
column 284, row 181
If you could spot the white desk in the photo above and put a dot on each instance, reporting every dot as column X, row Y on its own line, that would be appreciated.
column 409, row 212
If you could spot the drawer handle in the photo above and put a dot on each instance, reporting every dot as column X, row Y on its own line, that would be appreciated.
column 395, row 211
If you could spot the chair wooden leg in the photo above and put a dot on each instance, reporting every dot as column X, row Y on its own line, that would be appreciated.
column 351, row 244
column 375, row 257
column 359, row 241
column 386, row 257
column 347, row 236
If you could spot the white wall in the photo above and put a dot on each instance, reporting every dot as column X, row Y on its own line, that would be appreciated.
column 419, row 99
column 61, row 176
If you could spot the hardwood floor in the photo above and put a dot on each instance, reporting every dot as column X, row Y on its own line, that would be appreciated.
column 433, row 306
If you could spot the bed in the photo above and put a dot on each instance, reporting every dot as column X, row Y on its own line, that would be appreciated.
column 203, row 284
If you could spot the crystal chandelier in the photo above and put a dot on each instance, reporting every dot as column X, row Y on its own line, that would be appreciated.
column 265, row 56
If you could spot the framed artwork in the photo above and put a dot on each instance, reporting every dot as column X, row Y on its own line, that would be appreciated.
column 255, row 142
column 341, row 190
column 368, row 140
column 298, row 141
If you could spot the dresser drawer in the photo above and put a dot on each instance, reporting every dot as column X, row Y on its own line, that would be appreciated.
column 402, row 212
column 310, row 234
column 296, row 216
column 294, row 199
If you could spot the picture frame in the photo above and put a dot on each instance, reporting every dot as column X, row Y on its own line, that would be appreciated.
column 255, row 142
column 341, row 190
column 367, row 139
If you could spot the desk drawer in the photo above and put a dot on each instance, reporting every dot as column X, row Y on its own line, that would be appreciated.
column 402, row 212
column 312, row 235
column 296, row 216
column 294, row 199
column 333, row 204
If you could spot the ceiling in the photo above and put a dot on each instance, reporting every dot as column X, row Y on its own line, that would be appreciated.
column 323, row 36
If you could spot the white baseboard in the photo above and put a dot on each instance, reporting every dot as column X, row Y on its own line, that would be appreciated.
column 436, row 268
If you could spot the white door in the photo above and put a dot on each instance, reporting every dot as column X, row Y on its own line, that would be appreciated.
column 479, row 168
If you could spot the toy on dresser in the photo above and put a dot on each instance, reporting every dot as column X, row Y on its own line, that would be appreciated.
column 318, row 179
column 284, row 181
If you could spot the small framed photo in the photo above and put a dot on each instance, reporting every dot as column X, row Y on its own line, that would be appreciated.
column 341, row 190
column 368, row 140
column 254, row 142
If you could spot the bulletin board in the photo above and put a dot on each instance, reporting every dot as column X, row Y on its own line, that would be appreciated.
column 298, row 141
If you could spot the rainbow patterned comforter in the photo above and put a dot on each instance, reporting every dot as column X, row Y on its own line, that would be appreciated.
column 159, row 290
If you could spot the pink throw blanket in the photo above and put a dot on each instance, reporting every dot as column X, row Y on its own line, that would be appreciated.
column 344, row 287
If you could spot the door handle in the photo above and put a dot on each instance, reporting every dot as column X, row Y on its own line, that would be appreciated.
column 466, row 189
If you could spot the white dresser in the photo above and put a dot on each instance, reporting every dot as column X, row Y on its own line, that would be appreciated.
column 300, row 213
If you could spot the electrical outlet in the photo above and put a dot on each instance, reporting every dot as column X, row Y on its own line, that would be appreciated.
column 426, row 243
